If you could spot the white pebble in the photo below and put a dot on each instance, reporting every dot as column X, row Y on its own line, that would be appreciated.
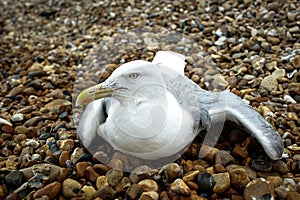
column 17, row 117
column 289, row 99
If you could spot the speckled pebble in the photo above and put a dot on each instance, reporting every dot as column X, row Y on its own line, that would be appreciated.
column 269, row 83
column 89, row 191
column 172, row 171
column 179, row 187
column 114, row 176
column 222, row 182
column 65, row 145
column 148, row 185
column 71, row 188
column 258, row 188
column 151, row 195
column 239, row 178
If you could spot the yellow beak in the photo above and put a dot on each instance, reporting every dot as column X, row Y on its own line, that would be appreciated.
column 90, row 94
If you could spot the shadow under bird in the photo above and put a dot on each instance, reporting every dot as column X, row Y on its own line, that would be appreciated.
column 150, row 110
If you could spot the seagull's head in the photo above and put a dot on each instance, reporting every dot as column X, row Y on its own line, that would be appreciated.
column 134, row 81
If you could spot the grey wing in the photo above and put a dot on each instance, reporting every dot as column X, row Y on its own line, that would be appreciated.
column 94, row 115
column 239, row 111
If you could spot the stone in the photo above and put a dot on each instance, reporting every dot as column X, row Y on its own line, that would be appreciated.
column 180, row 188
column 91, row 174
column 43, row 168
column 65, row 145
column 52, row 190
column 206, row 182
column 258, row 188
column 291, row 195
column 269, row 83
column 192, row 175
column 239, row 178
column 80, row 168
column 76, row 154
column 55, row 105
column 114, row 176
column 280, row 167
column 172, row 171
column 64, row 156
column 222, row 182
column 224, row 158
column 148, row 185
column 38, row 180
column 89, row 191
column 151, row 195
column 105, row 193
column 15, row 178
column 278, row 73
column 20, row 130
column 281, row 192
column 207, row 152
column 276, row 180
column 134, row 191
column 101, row 181
column 71, row 188
column 261, row 165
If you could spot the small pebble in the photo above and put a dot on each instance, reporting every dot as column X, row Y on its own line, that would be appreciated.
column 179, row 187
column 239, row 178
column 134, row 191
column 101, row 181
column 257, row 188
column 71, row 188
column 89, row 191
column 105, row 193
column 172, row 171
column 114, row 176
column 52, row 190
column 151, row 195
column 148, row 185
column 222, row 182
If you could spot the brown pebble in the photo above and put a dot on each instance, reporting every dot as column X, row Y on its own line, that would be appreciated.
column 239, row 178
column 276, row 180
column 151, row 195
column 80, row 168
column 192, row 175
column 33, row 121
column 106, row 192
column 20, row 130
column 12, row 196
column 257, row 188
column 51, row 190
column 148, row 185
column 241, row 150
column 134, row 191
column 64, row 156
column 6, row 128
column 292, row 195
column 222, row 182
column 180, row 188
column 101, row 181
column 31, row 132
column 114, row 176
column 172, row 171
column 218, row 168
column 91, row 174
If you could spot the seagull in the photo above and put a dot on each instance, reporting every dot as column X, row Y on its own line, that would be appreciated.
column 150, row 110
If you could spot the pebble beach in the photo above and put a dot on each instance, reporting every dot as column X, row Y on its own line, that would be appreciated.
column 51, row 50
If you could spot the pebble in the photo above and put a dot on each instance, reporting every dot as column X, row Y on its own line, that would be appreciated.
column 91, row 174
column 281, row 192
column 224, row 158
column 114, row 176
column 291, row 195
column 64, row 156
column 80, row 168
column 276, row 180
column 65, row 145
column 261, row 165
column 269, row 83
column 280, row 167
column 15, row 178
column 191, row 176
column 89, row 191
column 222, row 182
column 101, row 181
column 206, row 182
column 20, row 130
column 76, row 154
column 239, row 178
column 71, row 188
column 105, row 193
column 134, row 191
column 148, row 185
column 172, row 171
column 257, row 188
column 51, row 190
column 151, row 195
column 55, row 105
column 18, row 117
column 179, row 187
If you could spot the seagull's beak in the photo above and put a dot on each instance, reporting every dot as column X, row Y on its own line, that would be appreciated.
column 96, row 92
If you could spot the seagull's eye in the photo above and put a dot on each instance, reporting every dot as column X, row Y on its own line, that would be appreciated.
column 133, row 76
